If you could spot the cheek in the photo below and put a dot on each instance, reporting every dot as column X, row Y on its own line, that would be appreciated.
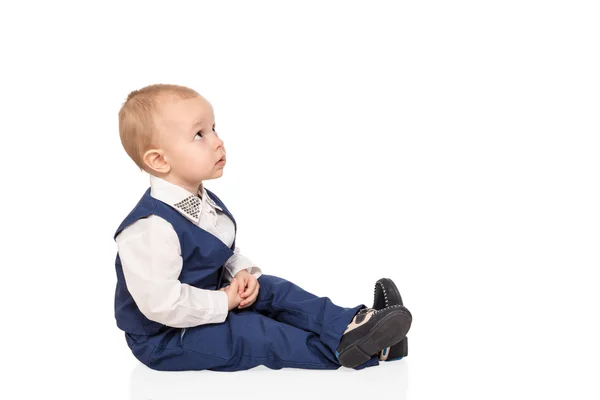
column 199, row 156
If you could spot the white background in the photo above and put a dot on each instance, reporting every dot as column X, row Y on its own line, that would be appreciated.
column 451, row 146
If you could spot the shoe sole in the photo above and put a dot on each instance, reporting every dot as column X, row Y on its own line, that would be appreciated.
column 391, row 287
column 387, row 332
column 404, row 347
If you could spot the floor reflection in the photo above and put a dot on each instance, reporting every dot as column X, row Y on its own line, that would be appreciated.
column 391, row 377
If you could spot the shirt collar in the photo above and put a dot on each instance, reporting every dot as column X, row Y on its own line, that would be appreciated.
column 188, row 204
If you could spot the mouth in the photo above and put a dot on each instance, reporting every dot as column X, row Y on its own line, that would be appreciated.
column 222, row 160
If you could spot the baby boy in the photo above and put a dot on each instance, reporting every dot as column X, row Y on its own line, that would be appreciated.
column 187, row 298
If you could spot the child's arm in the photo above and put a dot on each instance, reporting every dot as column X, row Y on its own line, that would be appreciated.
column 150, row 254
column 238, row 262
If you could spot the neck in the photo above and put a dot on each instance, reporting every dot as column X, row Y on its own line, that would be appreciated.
column 194, row 188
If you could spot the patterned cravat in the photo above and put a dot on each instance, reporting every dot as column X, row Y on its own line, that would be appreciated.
column 190, row 205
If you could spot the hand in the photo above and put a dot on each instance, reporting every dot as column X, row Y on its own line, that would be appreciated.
column 233, row 297
column 248, row 288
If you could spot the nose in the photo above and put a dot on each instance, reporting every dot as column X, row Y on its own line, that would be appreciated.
column 217, row 142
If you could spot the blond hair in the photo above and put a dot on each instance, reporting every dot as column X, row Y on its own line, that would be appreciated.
column 137, row 126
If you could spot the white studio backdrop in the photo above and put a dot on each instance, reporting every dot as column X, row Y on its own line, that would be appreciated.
column 451, row 146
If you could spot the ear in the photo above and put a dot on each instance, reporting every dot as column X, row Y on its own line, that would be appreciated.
column 155, row 160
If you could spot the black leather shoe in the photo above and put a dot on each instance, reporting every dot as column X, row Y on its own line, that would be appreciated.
column 371, row 331
column 387, row 294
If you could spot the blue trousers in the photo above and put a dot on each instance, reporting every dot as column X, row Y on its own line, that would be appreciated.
column 285, row 327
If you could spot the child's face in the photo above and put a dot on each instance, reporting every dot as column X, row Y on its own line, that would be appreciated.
column 190, row 144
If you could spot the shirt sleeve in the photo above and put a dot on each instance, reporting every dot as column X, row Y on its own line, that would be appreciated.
column 150, row 254
column 238, row 262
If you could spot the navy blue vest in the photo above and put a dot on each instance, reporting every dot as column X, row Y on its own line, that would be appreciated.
column 203, row 258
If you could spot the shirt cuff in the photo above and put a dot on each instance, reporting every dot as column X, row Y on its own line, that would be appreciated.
column 220, row 307
column 237, row 263
column 255, row 271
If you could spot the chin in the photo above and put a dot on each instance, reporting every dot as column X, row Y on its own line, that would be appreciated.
column 216, row 175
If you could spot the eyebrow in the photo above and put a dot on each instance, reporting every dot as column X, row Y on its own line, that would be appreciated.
column 199, row 122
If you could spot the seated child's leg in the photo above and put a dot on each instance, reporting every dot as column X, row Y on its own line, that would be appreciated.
column 285, row 301
column 245, row 340
column 354, row 338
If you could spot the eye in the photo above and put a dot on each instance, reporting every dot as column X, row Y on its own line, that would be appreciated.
column 198, row 135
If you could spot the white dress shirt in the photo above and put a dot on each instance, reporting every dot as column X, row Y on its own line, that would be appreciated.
column 150, row 254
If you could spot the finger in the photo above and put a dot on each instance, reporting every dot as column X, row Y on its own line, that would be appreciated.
column 250, row 289
column 247, row 301
column 250, row 299
column 242, row 285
